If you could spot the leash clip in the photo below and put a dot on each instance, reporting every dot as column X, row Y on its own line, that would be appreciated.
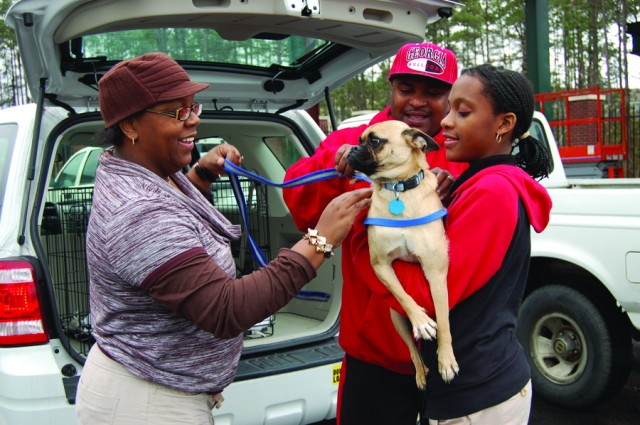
column 398, row 187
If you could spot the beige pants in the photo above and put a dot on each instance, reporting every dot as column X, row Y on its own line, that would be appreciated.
column 109, row 394
column 514, row 411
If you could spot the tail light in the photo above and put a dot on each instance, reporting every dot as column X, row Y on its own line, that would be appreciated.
column 20, row 315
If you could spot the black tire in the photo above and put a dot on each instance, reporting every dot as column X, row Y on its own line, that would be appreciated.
column 577, row 351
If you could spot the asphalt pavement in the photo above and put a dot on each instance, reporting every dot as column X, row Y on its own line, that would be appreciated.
column 622, row 409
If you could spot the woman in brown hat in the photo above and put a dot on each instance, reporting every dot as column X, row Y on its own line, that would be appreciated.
column 167, row 311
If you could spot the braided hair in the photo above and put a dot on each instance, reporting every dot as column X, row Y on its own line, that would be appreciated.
column 510, row 91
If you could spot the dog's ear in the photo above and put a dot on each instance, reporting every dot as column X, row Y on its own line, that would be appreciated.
column 418, row 139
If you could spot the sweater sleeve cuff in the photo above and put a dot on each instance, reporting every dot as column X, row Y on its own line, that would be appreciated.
column 300, row 259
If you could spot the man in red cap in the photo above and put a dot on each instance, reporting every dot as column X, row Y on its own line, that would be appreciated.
column 377, row 381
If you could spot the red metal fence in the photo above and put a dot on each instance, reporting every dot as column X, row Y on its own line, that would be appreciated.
column 633, row 136
column 590, row 126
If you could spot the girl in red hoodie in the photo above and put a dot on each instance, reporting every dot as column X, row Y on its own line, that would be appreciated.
column 492, row 206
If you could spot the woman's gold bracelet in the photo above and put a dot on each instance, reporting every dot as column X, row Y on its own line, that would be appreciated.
column 320, row 242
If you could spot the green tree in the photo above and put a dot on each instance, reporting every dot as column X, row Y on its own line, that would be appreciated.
column 13, row 89
column 588, row 47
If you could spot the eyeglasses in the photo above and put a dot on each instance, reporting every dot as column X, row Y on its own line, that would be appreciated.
column 181, row 114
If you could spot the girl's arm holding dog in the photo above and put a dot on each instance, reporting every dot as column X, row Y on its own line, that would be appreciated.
column 479, row 237
column 478, row 240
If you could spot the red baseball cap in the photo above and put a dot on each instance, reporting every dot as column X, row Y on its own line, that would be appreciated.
column 427, row 60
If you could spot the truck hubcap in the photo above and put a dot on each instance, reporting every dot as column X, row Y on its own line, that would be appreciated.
column 557, row 348
column 567, row 345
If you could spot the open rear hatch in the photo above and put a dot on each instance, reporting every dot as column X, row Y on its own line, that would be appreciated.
column 266, row 61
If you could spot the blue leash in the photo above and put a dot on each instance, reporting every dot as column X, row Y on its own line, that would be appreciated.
column 316, row 176
column 235, row 172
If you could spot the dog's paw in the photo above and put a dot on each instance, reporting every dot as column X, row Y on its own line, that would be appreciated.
column 448, row 372
column 421, row 371
column 424, row 327
column 447, row 363
column 426, row 331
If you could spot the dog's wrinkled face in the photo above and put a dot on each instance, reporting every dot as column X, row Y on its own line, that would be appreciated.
column 387, row 145
column 363, row 157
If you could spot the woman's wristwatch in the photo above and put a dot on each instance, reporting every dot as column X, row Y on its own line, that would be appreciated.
column 205, row 174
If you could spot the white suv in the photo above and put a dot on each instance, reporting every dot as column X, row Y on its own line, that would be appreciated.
column 267, row 61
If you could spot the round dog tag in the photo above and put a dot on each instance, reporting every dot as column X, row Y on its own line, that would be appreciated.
column 396, row 206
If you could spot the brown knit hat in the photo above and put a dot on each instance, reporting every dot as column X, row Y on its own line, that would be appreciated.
column 136, row 84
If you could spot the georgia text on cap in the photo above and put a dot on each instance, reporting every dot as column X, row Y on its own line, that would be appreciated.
column 430, row 54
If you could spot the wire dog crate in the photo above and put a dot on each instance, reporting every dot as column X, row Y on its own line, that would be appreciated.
column 63, row 234
column 64, row 227
column 255, row 195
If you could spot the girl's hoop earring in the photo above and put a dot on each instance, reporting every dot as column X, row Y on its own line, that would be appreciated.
column 498, row 137
column 133, row 140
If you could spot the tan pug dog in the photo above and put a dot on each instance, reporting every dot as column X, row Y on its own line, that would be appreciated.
column 392, row 155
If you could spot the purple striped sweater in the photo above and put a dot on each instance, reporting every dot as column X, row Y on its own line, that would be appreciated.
column 138, row 223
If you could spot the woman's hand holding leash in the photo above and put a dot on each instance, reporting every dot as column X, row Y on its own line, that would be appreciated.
column 210, row 166
column 214, row 159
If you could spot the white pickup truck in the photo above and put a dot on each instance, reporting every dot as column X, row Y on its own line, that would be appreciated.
column 582, row 304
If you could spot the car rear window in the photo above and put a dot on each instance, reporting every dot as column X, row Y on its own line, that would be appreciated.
column 7, row 142
column 202, row 45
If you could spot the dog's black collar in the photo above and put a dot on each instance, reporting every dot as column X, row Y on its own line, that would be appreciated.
column 405, row 184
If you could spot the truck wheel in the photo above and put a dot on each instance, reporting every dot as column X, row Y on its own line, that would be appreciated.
column 578, row 357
